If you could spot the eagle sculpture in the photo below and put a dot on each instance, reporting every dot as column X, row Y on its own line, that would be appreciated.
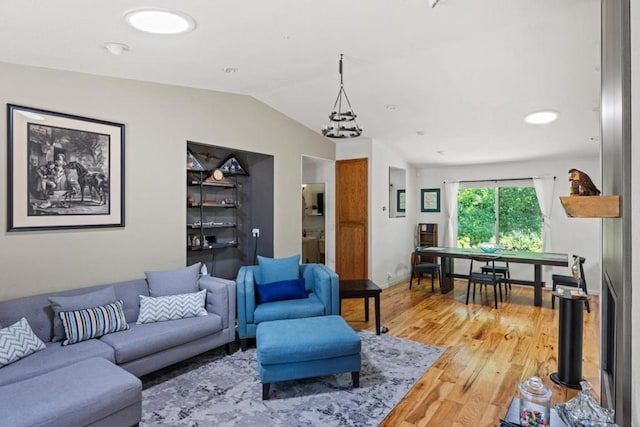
column 581, row 184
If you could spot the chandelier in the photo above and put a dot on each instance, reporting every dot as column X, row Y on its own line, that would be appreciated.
column 342, row 118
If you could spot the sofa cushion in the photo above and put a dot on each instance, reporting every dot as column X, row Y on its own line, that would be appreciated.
column 290, row 309
column 173, row 282
column 81, row 325
column 144, row 339
column 172, row 307
column 299, row 340
column 18, row 341
column 54, row 356
column 78, row 302
column 278, row 269
column 89, row 392
column 281, row 291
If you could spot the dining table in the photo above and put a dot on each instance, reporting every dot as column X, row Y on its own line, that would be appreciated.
column 447, row 256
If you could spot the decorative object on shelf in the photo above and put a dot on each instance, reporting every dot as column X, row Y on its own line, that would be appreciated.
column 232, row 166
column 217, row 176
column 193, row 164
column 342, row 118
column 64, row 171
column 200, row 162
column 581, row 184
column 192, row 178
column 430, row 200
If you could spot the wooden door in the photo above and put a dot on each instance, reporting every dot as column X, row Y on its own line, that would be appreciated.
column 352, row 219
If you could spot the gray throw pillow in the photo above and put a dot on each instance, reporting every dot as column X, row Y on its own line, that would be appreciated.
column 78, row 302
column 174, row 282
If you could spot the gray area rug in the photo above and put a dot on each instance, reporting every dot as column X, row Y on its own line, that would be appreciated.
column 214, row 389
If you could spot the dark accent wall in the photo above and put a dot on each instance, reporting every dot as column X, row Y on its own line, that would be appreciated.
column 616, row 232
column 256, row 210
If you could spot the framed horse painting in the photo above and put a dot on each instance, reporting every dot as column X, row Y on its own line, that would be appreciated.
column 64, row 171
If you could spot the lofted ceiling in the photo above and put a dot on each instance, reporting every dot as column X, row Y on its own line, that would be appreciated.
column 448, row 85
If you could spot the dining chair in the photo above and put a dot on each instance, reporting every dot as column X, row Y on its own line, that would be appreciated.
column 502, row 270
column 481, row 278
column 419, row 268
column 576, row 282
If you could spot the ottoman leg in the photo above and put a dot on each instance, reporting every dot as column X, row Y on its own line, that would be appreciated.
column 265, row 391
column 355, row 378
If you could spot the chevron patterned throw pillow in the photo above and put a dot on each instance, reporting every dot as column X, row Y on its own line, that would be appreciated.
column 18, row 341
column 172, row 307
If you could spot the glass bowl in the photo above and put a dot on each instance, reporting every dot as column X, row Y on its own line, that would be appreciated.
column 488, row 248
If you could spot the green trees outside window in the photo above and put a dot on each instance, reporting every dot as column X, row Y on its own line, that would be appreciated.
column 508, row 216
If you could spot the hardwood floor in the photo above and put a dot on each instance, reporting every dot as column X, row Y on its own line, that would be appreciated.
column 488, row 351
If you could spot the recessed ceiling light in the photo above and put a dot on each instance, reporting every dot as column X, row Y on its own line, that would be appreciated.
column 160, row 21
column 541, row 117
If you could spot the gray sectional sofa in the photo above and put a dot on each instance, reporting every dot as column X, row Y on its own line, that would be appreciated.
column 94, row 382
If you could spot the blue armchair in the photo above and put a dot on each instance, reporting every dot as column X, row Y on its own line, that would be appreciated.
column 321, row 284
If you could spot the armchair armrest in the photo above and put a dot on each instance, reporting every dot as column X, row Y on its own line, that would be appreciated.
column 221, row 298
column 246, row 296
column 324, row 283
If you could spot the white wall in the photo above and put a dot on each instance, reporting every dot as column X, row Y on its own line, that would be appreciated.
column 159, row 120
column 570, row 235
column 391, row 240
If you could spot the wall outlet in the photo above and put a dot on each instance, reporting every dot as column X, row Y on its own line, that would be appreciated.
column 255, row 232
column 388, row 276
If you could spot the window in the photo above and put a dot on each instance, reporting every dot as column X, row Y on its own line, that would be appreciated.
column 508, row 216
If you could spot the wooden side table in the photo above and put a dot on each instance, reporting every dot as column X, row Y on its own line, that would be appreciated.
column 363, row 288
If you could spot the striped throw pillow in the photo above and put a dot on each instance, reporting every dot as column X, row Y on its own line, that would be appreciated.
column 81, row 325
column 172, row 307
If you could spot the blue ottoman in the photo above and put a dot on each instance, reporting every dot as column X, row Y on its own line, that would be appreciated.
column 308, row 347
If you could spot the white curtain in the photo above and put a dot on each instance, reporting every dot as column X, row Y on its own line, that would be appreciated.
column 451, row 199
column 544, row 186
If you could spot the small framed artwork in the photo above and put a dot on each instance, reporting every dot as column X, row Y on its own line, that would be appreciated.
column 63, row 171
column 430, row 200
column 401, row 207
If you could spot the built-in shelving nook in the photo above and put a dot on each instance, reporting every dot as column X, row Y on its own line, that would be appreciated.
column 591, row 206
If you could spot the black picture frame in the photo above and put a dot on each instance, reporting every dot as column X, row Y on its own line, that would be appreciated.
column 430, row 200
column 63, row 171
